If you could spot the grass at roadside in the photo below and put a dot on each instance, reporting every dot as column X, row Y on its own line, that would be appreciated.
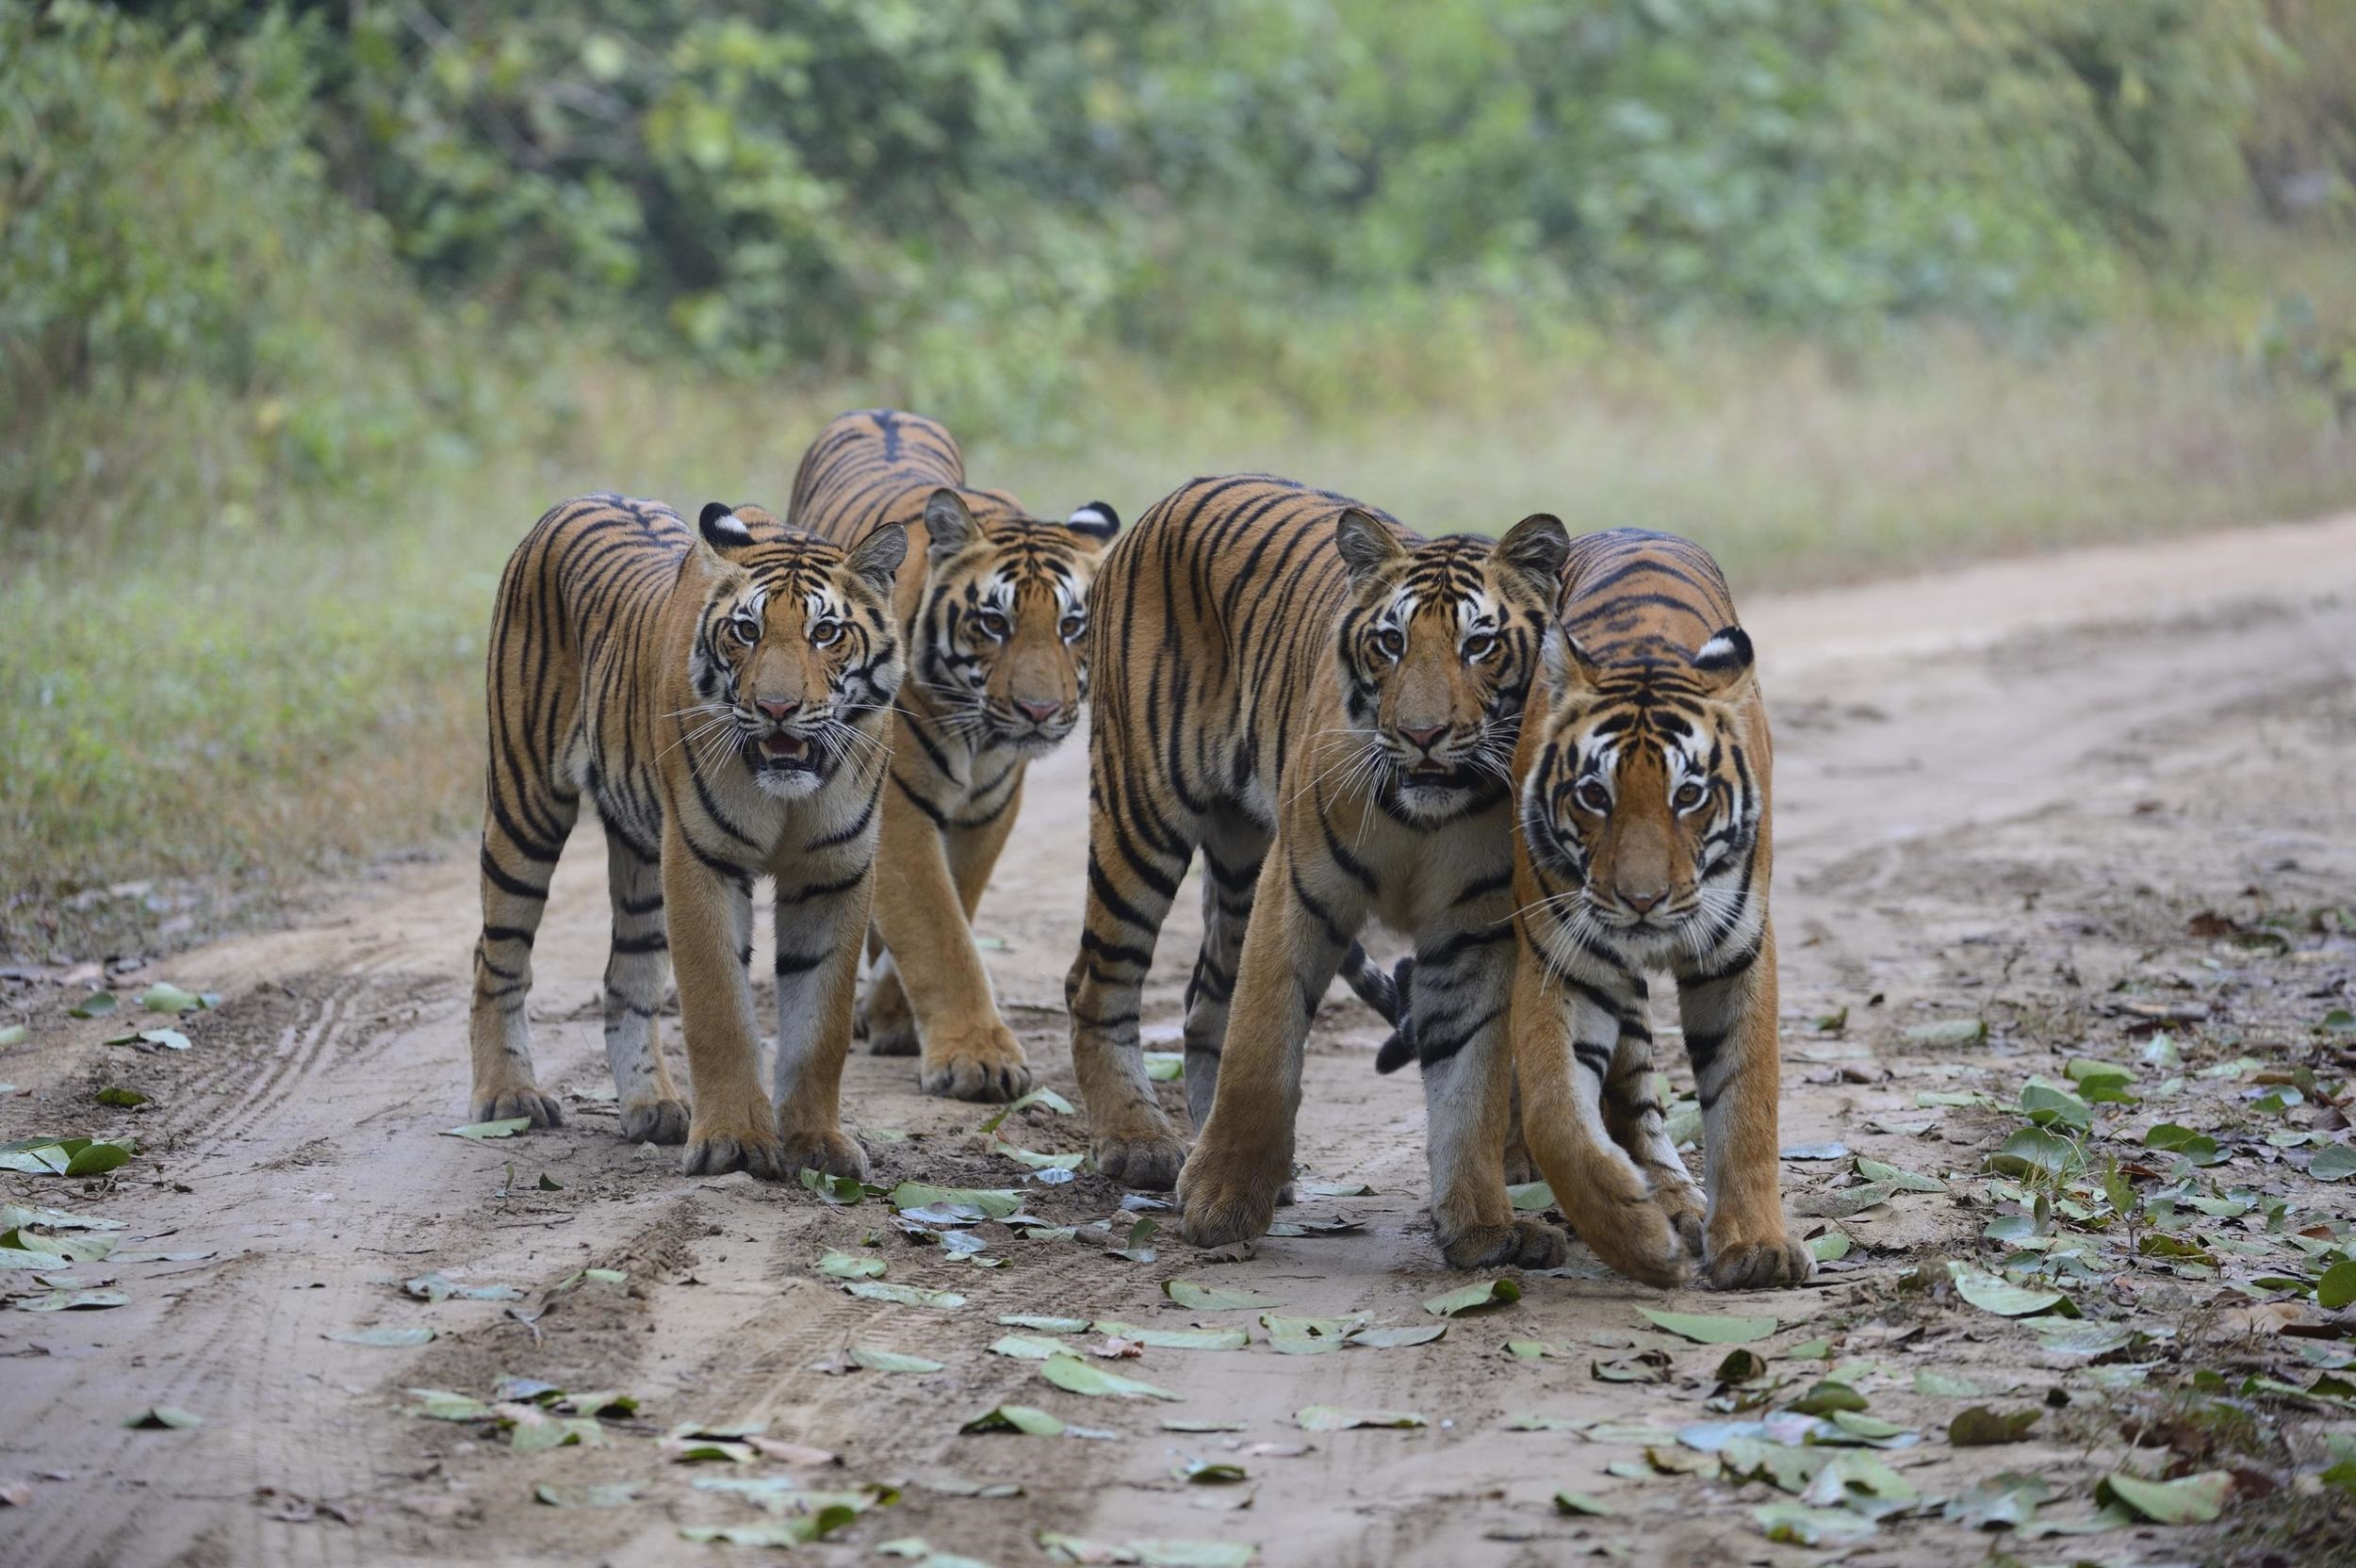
column 199, row 699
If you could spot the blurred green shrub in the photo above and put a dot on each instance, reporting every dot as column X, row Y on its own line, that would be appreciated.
column 958, row 201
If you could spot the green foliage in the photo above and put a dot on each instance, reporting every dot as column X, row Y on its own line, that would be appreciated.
column 959, row 195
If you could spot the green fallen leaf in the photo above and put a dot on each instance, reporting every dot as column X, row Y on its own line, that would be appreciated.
column 1709, row 1329
column 1530, row 1421
column 1015, row 1418
column 1044, row 1325
column 382, row 1337
column 1579, row 1502
column 166, row 1417
column 2193, row 1500
column 1802, row 1526
column 1176, row 1339
column 1147, row 1553
column 1993, row 1293
column 2332, row 1163
column 169, row 1039
column 550, row 1183
column 1394, row 1339
column 877, row 1360
column 1203, row 1472
column 1827, row 1396
column 2337, row 1288
column 1487, row 1293
column 1310, row 1337
column 1164, row 1066
column 1829, row 1247
column 439, row 1288
column 1048, row 1098
column 1336, row 1418
column 1741, row 1366
column 1948, row 1032
column 1035, row 1160
column 2172, row 1138
column 795, row 1531
column 1335, row 1189
column 1904, row 1181
column 441, row 1404
column 1529, row 1197
column 11, row 1034
column 1027, row 1348
column 2037, row 1149
column 117, row 1096
column 993, row 1201
column 165, row 997
column 1075, row 1375
column 1982, row 1428
column 1202, row 1298
column 505, row 1128
column 2049, row 1104
column 907, row 1296
column 834, row 1189
column 599, row 1494
column 1197, row 1424
column 1942, row 1386
column 845, row 1265
column 96, row 1004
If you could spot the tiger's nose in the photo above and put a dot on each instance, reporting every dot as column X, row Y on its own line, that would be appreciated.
column 1645, row 902
column 774, row 708
column 1423, row 737
column 1040, row 712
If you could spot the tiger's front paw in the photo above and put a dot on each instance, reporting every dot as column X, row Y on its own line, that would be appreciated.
column 1222, row 1200
column 884, row 1020
column 746, row 1140
column 1636, row 1238
column 1525, row 1243
column 827, row 1150
column 655, row 1121
column 508, row 1102
column 1762, row 1260
column 985, row 1064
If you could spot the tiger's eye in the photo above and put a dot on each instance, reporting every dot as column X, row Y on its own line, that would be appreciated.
column 1688, row 797
column 1594, row 797
column 825, row 633
column 1477, row 646
column 1390, row 642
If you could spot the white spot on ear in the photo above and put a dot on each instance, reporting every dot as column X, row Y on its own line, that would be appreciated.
column 1096, row 518
column 722, row 526
column 1718, row 650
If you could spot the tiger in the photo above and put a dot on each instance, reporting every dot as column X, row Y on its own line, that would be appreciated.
column 992, row 605
column 720, row 695
column 1325, row 706
column 1642, row 845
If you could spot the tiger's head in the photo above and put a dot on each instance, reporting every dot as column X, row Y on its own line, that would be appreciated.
column 1436, row 651
column 1000, row 636
column 1642, row 797
column 796, row 658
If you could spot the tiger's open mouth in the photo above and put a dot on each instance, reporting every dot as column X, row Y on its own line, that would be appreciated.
column 784, row 754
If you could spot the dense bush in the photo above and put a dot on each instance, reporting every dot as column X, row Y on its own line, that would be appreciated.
column 960, row 200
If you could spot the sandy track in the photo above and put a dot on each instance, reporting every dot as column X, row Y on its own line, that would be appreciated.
column 1968, row 765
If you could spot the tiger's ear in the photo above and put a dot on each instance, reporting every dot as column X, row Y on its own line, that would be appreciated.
column 1568, row 668
column 1536, row 546
column 1097, row 521
column 948, row 524
column 1723, row 664
column 719, row 535
column 1367, row 545
column 876, row 559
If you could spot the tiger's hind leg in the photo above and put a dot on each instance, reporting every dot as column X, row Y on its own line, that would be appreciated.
column 526, row 821
column 1233, row 847
column 885, row 1020
column 1459, row 1005
column 1134, row 872
column 637, row 973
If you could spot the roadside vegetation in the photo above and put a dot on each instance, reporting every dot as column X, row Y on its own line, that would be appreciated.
column 306, row 311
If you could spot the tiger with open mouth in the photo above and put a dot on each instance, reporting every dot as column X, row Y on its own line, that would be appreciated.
column 721, row 695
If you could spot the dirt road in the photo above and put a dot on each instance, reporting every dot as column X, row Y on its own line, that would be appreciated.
column 2005, row 792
